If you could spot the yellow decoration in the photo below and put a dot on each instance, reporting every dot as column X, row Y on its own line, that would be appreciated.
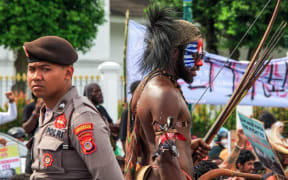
column 24, row 77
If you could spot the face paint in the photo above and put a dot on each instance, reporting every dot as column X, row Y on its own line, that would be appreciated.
column 193, row 54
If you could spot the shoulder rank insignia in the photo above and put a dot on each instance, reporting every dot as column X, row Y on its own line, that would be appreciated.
column 88, row 145
column 47, row 160
column 60, row 121
column 82, row 127
column 84, row 135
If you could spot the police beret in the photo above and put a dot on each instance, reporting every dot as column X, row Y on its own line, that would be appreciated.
column 52, row 49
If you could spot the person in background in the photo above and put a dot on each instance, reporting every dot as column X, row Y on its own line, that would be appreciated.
column 30, row 119
column 30, row 116
column 124, row 117
column 245, row 163
column 220, row 143
column 18, row 133
column 268, row 119
column 94, row 94
column 229, row 163
column 10, row 115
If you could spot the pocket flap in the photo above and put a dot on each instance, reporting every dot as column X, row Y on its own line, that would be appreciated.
column 50, row 143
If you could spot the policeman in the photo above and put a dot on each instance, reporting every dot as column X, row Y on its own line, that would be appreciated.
column 72, row 141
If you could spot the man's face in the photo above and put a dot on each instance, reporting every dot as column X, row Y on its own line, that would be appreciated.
column 191, row 61
column 96, row 95
column 247, row 167
column 47, row 80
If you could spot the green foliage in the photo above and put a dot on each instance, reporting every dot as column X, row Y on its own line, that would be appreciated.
column 76, row 21
column 224, row 22
column 204, row 116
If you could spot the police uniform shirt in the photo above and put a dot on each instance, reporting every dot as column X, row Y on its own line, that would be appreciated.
column 79, row 149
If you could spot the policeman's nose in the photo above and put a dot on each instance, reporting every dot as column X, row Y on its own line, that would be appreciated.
column 37, row 75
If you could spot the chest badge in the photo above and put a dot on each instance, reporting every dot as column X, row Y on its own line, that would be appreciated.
column 47, row 160
column 60, row 121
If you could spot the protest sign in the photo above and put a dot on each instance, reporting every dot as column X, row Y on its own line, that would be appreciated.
column 9, row 161
column 254, row 130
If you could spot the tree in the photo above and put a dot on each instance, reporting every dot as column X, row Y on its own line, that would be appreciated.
column 224, row 22
column 22, row 20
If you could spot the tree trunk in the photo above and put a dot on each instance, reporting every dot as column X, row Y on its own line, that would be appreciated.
column 21, row 68
column 235, row 55
column 250, row 53
column 211, row 38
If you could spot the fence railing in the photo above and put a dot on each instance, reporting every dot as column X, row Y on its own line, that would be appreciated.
column 80, row 81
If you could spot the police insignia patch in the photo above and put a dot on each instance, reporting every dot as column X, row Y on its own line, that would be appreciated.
column 60, row 121
column 88, row 145
column 85, row 134
column 47, row 160
column 82, row 127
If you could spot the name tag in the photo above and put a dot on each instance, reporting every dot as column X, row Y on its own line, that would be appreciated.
column 57, row 133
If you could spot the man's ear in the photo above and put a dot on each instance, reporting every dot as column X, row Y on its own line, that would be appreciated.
column 69, row 72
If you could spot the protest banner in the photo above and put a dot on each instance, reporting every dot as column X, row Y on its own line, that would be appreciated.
column 254, row 130
column 270, row 89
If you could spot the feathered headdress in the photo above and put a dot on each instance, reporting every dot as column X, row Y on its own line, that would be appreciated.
column 162, row 36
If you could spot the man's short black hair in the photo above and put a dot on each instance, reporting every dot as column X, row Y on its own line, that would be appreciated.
column 268, row 119
column 244, row 156
column 202, row 167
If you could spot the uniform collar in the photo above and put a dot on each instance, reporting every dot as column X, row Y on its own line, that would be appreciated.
column 61, row 104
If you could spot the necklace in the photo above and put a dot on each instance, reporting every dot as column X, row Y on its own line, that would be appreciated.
column 174, row 82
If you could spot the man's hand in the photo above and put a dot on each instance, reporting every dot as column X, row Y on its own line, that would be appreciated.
column 10, row 96
column 38, row 105
column 3, row 141
column 242, row 139
column 199, row 149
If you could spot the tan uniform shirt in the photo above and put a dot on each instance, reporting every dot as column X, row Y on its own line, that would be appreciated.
column 79, row 149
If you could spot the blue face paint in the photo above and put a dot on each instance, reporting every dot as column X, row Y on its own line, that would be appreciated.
column 191, row 49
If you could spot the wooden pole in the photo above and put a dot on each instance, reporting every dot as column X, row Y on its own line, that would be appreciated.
column 125, row 55
column 239, row 92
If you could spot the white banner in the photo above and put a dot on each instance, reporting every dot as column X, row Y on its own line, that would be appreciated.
column 271, row 89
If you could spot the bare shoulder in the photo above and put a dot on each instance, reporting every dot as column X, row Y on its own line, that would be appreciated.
column 160, row 97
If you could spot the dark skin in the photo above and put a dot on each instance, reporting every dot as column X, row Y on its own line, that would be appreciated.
column 31, row 123
column 159, row 100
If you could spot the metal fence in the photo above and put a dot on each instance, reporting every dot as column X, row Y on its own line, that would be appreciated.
column 80, row 81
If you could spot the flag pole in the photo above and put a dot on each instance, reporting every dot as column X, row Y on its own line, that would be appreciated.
column 127, row 14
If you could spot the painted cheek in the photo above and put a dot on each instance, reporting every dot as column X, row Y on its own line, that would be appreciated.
column 199, row 63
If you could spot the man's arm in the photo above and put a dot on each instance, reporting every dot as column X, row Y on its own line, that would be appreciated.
column 90, row 137
column 230, row 161
column 12, row 109
column 30, row 122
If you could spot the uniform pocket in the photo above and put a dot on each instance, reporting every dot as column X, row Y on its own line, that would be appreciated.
column 51, row 154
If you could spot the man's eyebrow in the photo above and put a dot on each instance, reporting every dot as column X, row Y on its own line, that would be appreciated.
column 41, row 65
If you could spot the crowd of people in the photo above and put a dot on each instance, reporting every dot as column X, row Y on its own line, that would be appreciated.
column 73, row 136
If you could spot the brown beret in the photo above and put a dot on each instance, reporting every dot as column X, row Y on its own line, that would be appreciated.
column 52, row 49
column 188, row 32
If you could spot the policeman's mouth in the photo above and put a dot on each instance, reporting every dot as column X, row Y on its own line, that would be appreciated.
column 37, row 87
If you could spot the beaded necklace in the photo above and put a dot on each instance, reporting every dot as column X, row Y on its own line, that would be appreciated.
column 174, row 82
